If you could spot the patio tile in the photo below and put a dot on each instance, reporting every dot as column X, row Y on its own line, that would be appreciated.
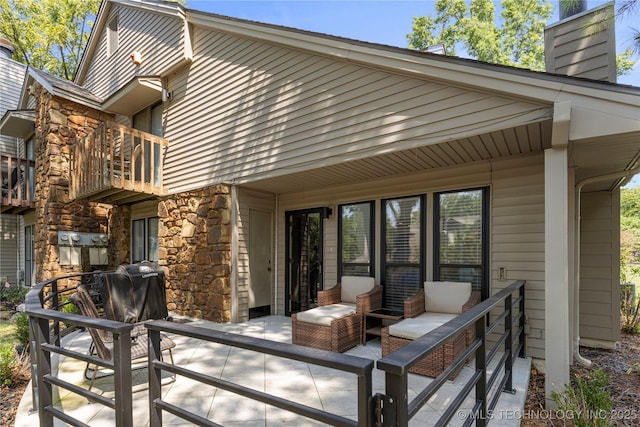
column 200, row 406
column 290, row 384
column 227, row 408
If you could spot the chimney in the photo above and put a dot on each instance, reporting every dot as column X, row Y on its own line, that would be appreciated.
column 570, row 8
column 6, row 48
column 583, row 44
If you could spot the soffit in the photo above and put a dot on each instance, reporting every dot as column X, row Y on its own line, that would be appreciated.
column 525, row 139
column 18, row 123
column 135, row 96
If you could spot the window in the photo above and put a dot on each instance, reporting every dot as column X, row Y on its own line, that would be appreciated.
column 461, row 237
column 144, row 239
column 403, row 249
column 112, row 36
column 356, row 239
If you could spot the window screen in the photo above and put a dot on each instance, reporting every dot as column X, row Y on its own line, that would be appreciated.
column 356, row 239
column 403, row 251
column 461, row 237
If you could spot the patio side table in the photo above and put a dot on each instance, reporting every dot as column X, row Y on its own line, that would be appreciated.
column 375, row 320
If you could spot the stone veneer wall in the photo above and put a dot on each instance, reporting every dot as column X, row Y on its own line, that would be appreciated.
column 59, row 123
column 194, row 239
column 120, row 235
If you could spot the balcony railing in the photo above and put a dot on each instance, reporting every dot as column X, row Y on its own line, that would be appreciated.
column 18, row 184
column 117, row 164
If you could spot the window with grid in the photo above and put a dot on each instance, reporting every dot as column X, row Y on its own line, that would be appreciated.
column 461, row 237
column 403, row 251
column 356, row 239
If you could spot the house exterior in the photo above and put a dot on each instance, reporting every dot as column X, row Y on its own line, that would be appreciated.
column 16, row 225
column 258, row 164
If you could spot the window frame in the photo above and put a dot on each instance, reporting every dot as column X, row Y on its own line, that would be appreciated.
column 372, row 237
column 485, row 233
column 146, row 238
column 422, row 264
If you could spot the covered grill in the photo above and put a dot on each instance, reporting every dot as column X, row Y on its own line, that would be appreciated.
column 134, row 293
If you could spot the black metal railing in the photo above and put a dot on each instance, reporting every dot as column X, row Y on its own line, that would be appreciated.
column 43, row 303
column 360, row 367
column 391, row 408
column 395, row 407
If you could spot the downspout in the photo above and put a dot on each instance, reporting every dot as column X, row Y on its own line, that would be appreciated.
column 576, row 301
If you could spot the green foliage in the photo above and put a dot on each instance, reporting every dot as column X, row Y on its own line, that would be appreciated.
column 588, row 401
column 22, row 330
column 7, row 364
column 624, row 63
column 13, row 295
column 518, row 42
column 48, row 34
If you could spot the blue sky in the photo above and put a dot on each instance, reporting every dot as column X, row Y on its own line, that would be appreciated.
column 378, row 21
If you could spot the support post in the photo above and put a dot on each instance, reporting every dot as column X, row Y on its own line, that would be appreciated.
column 557, row 237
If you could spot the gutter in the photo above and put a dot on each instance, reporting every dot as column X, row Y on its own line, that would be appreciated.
column 576, row 298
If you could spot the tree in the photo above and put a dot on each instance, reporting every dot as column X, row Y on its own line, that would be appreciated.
column 518, row 42
column 49, row 35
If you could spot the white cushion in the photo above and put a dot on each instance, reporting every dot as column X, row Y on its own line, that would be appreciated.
column 352, row 286
column 413, row 328
column 446, row 297
column 437, row 317
column 325, row 314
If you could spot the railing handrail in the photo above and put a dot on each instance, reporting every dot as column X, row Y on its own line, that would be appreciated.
column 42, row 321
column 402, row 359
column 19, row 189
column 117, row 159
column 399, row 409
column 361, row 367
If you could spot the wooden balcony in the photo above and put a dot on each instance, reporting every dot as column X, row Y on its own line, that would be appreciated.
column 18, row 184
column 117, row 165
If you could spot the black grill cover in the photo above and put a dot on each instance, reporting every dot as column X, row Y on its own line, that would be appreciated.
column 134, row 293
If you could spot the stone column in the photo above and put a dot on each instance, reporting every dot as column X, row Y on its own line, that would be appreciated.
column 58, row 124
column 194, row 237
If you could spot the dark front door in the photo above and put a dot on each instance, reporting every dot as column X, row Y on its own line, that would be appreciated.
column 303, row 270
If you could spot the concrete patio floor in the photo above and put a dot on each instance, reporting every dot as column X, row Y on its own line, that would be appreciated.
column 315, row 386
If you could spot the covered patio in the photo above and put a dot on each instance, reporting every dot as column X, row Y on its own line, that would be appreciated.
column 309, row 384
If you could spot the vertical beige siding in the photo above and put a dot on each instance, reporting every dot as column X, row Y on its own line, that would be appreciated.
column 248, row 200
column 142, row 31
column 10, row 87
column 245, row 110
column 517, row 238
column 583, row 46
column 9, row 248
column 600, row 266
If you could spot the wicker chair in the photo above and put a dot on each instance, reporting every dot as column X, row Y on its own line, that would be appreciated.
column 100, row 339
column 416, row 313
column 336, row 324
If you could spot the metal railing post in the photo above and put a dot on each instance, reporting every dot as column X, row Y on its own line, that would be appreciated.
column 122, row 379
column 365, row 387
column 44, row 368
column 33, row 358
column 55, row 302
column 155, row 378
column 522, row 337
column 395, row 408
column 481, row 365
column 508, row 344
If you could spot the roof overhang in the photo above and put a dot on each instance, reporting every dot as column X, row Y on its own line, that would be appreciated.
column 18, row 123
column 136, row 95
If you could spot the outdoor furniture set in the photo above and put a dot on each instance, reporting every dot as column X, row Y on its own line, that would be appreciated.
column 351, row 311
